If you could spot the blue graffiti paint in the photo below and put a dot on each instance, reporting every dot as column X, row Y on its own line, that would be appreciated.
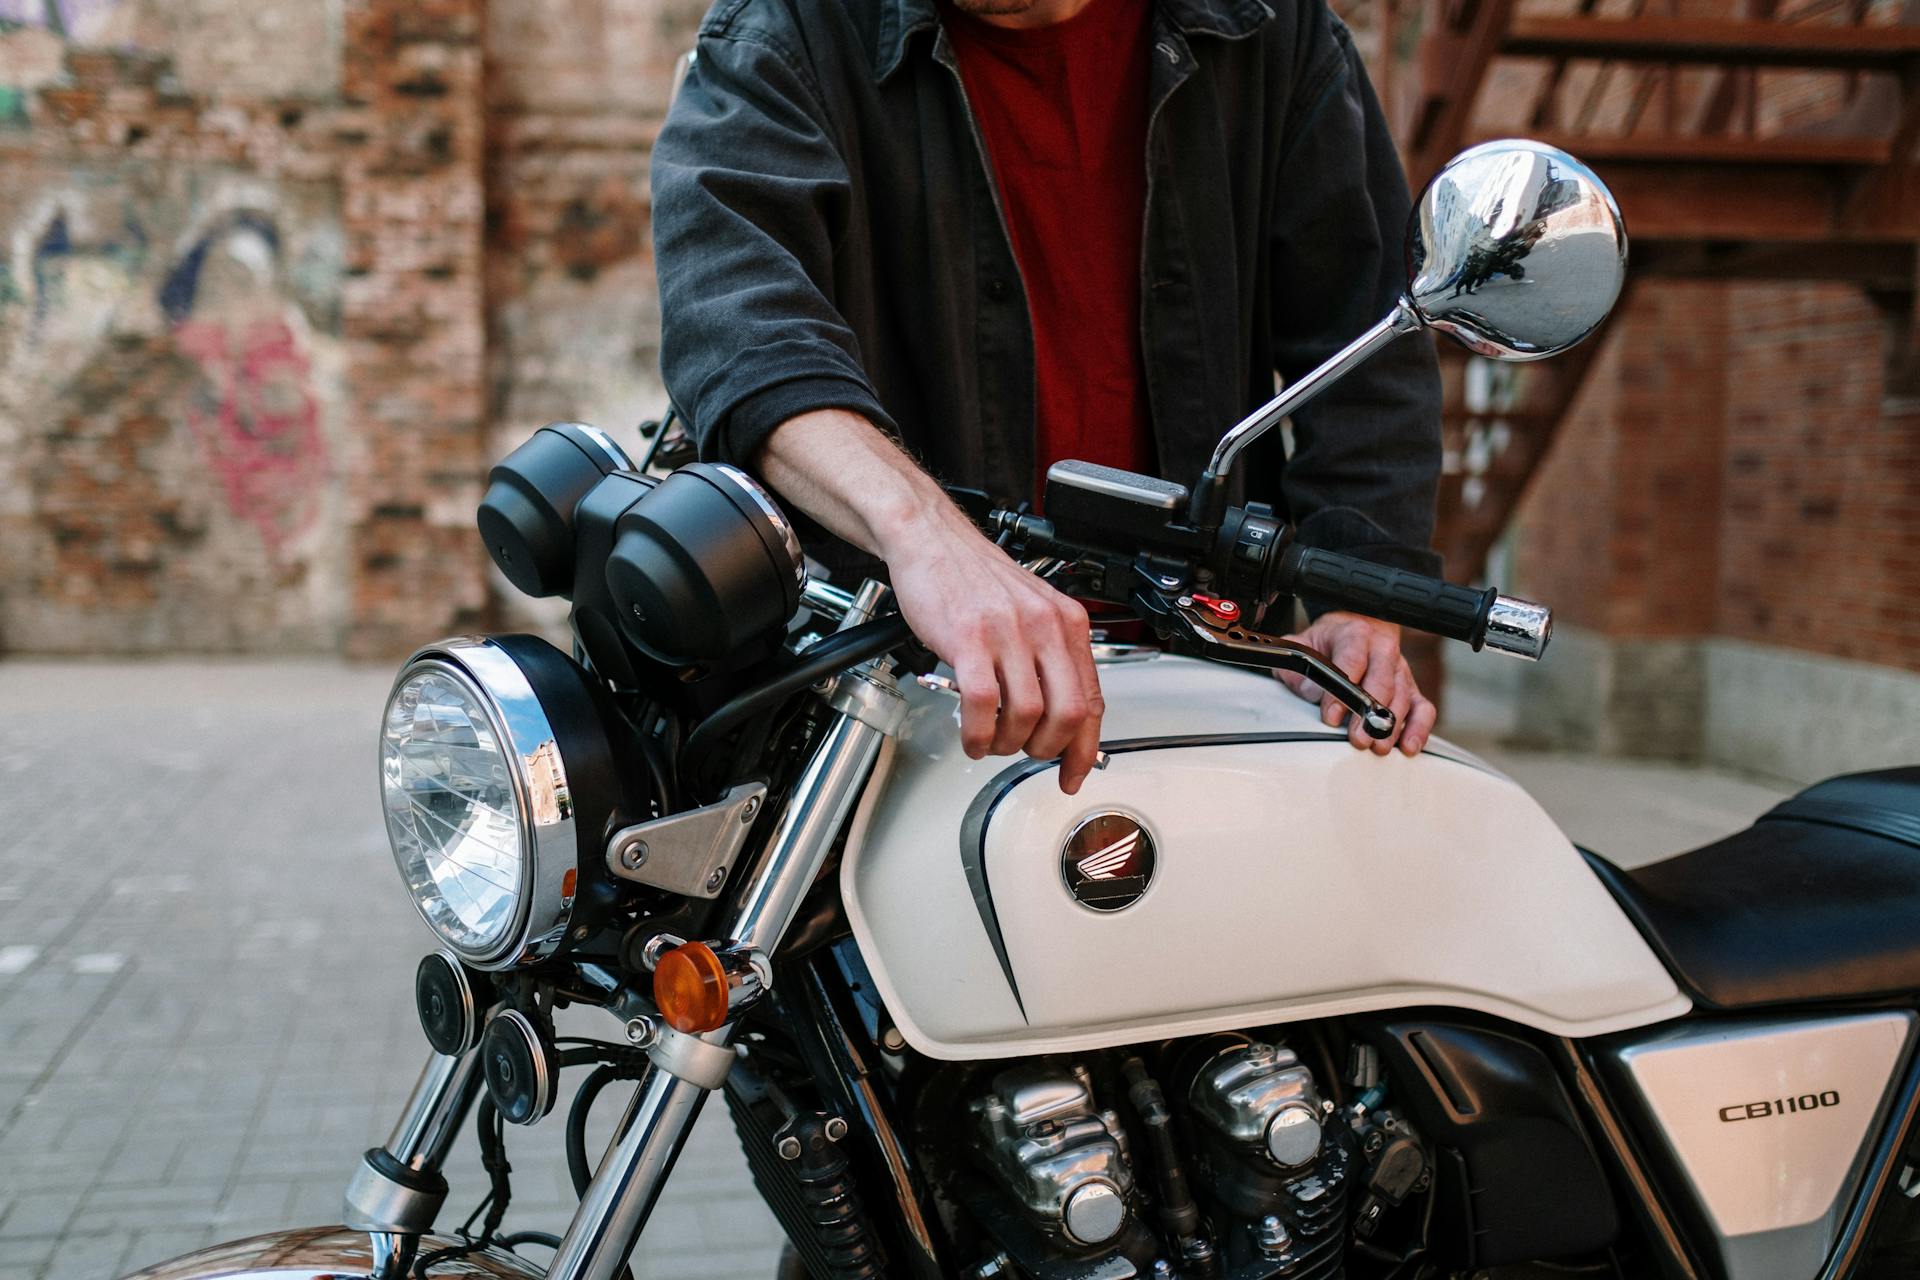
column 182, row 285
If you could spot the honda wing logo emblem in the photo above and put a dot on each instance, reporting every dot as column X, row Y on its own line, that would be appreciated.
column 1105, row 864
column 1108, row 861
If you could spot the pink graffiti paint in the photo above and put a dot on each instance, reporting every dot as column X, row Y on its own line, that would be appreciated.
column 258, row 420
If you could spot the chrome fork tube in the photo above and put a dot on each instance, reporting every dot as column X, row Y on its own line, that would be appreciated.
column 634, row 1170
column 396, row 1191
column 791, row 860
column 436, row 1109
column 629, row 1179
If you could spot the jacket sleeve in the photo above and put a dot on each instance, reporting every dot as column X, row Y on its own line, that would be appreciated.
column 749, row 195
column 1365, row 469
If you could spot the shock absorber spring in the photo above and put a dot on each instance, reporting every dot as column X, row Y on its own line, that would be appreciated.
column 842, row 1237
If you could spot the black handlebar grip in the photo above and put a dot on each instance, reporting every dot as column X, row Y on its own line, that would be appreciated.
column 1392, row 595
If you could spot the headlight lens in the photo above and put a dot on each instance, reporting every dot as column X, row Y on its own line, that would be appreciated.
column 500, row 784
column 452, row 816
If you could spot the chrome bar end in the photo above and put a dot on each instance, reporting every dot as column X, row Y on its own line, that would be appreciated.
column 1519, row 627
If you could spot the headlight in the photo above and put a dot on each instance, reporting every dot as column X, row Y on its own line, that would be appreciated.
column 496, row 776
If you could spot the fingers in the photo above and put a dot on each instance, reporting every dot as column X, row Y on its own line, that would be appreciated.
column 1062, row 651
column 973, row 671
column 1419, row 726
column 1028, row 683
column 1385, row 676
column 1350, row 652
column 1021, row 703
column 1083, row 746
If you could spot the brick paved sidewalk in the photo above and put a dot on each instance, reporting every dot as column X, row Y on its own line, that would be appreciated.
column 206, row 968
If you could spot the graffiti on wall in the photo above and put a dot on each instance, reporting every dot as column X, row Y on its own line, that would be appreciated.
column 86, row 20
column 170, row 379
column 253, row 410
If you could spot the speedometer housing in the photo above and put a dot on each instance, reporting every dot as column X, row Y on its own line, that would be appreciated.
column 500, row 795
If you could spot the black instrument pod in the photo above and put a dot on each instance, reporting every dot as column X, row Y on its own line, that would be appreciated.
column 705, row 569
column 526, row 517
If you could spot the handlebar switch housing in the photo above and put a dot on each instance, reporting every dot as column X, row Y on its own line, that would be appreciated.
column 1093, row 503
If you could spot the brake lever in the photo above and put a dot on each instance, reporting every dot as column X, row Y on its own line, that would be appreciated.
column 1230, row 642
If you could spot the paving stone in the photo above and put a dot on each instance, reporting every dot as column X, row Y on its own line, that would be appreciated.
column 202, row 1051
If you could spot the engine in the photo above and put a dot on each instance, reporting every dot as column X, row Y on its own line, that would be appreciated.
column 1217, row 1157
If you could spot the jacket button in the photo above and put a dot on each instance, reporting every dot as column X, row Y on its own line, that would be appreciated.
column 997, row 290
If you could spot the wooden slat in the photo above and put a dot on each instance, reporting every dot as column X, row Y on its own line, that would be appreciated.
column 1597, row 148
column 1729, row 202
column 1445, row 116
column 1874, row 190
column 1887, row 266
column 1660, row 39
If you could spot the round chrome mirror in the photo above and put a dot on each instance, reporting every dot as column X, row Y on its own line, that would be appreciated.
column 1516, row 250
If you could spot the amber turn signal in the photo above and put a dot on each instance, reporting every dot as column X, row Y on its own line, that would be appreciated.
column 690, row 988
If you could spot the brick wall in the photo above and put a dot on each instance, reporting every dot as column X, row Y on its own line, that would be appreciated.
column 1820, row 527
column 1734, row 468
column 285, row 276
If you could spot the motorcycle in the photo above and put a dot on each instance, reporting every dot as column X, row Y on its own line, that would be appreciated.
column 1251, row 1005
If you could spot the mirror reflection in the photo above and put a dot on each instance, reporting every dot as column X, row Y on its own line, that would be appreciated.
column 1517, row 250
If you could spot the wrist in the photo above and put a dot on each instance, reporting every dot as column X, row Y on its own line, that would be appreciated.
column 913, row 519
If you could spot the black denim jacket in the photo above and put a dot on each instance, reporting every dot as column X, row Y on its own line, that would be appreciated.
column 828, row 236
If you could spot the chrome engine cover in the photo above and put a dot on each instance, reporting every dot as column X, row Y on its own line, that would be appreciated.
column 1261, row 1097
column 325, row 1253
column 1062, row 1159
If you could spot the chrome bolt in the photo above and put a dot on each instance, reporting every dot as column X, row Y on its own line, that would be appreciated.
column 751, row 807
column 718, row 878
column 892, row 1041
column 1185, row 602
column 1272, row 1235
column 634, row 856
column 788, row 1147
column 836, row 1128
column 643, row 1032
column 994, row 1266
column 1162, row 1269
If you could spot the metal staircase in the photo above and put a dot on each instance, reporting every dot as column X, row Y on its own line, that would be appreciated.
column 1774, row 140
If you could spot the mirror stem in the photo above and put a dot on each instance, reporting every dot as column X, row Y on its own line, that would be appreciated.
column 1209, row 501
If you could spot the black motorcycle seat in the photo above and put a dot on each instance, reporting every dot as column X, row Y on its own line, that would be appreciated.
column 1818, row 900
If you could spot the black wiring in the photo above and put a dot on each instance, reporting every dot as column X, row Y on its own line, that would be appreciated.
column 491, row 1129
column 518, row 1238
column 817, row 661
column 618, row 1062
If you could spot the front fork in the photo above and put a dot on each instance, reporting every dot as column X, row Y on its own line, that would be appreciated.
column 683, row 1069
column 398, row 1189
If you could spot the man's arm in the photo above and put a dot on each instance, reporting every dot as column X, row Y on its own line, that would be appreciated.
column 1019, row 649
column 749, row 193
column 1366, row 463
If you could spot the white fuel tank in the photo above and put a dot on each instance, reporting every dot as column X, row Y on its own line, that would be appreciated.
column 1244, row 865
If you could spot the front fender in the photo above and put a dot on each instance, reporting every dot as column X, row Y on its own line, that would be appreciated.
column 326, row 1253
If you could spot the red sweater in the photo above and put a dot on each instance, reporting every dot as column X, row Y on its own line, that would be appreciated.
column 1063, row 110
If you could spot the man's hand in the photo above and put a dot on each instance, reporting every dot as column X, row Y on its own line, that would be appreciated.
column 1369, row 652
column 1019, row 650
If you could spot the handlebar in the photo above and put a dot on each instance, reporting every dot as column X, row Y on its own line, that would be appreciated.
column 1415, row 600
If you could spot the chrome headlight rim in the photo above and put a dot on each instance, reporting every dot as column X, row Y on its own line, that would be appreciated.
column 549, row 834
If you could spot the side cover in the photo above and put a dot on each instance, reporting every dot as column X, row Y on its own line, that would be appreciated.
column 1764, row 1125
column 1291, row 876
